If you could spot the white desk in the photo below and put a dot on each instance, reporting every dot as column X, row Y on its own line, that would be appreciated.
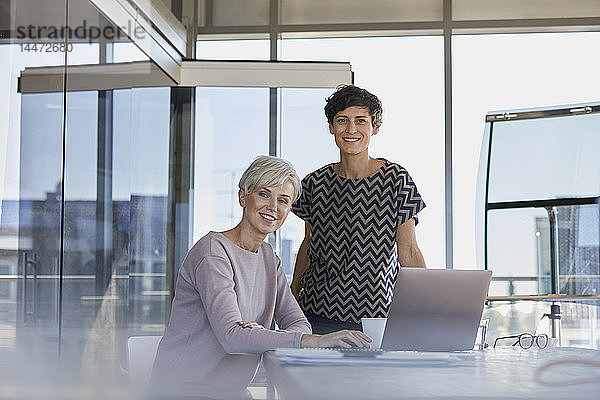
column 503, row 373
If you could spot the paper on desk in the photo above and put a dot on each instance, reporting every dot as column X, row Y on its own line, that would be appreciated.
column 333, row 357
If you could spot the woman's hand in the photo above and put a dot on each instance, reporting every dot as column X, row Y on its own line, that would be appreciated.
column 250, row 324
column 295, row 287
column 343, row 338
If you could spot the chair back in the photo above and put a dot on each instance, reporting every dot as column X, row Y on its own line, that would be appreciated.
column 141, row 351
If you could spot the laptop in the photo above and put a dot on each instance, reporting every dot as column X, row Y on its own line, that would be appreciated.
column 433, row 311
column 436, row 309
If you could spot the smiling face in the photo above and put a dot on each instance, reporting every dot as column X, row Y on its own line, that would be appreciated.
column 352, row 129
column 266, row 209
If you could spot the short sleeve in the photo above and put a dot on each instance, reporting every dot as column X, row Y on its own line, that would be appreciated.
column 409, row 199
column 302, row 206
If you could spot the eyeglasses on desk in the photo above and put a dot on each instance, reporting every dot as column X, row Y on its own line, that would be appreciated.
column 526, row 340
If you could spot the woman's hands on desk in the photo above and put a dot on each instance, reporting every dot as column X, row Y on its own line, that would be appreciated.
column 250, row 324
column 343, row 338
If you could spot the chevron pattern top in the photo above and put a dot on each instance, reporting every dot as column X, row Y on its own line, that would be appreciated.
column 353, row 262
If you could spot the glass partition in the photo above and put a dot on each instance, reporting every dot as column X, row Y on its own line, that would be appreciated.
column 115, row 215
column 540, row 180
column 38, row 207
column 83, row 194
column 30, row 200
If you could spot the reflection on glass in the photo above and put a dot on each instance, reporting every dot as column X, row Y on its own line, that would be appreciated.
column 30, row 173
column 81, row 301
column 115, row 213
column 578, row 249
column 577, row 321
column 38, row 208
column 231, row 130
column 140, row 188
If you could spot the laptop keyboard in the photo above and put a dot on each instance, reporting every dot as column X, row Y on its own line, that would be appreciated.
column 353, row 351
column 360, row 352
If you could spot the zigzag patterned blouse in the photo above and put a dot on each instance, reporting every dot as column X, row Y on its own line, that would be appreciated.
column 353, row 261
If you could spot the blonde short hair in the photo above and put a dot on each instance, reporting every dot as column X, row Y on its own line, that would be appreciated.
column 268, row 171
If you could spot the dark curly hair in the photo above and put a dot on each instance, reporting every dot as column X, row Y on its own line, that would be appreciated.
column 349, row 95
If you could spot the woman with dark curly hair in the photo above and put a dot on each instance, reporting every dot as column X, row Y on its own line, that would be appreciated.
column 360, row 218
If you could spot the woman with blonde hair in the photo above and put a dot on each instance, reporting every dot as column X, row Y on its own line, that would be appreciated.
column 229, row 289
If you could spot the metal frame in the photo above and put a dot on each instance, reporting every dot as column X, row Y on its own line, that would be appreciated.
column 448, row 136
column 273, row 74
column 164, row 38
column 192, row 73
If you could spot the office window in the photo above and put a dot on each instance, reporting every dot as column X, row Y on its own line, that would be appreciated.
column 501, row 72
column 231, row 130
column 308, row 145
column 406, row 73
column 127, row 52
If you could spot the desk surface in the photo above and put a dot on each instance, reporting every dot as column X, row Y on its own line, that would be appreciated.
column 503, row 373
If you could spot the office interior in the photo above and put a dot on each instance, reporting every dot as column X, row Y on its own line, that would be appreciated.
column 127, row 124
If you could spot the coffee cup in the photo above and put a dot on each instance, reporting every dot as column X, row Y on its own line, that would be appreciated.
column 374, row 328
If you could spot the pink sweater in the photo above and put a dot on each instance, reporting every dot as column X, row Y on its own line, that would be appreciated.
column 204, row 352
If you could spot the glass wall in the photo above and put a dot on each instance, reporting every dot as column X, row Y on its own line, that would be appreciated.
column 83, row 194
column 542, row 190
column 29, row 306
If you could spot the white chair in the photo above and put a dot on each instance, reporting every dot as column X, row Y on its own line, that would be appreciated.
column 141, row 351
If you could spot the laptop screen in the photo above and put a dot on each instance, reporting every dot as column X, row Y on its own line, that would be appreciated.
column 436, row 309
